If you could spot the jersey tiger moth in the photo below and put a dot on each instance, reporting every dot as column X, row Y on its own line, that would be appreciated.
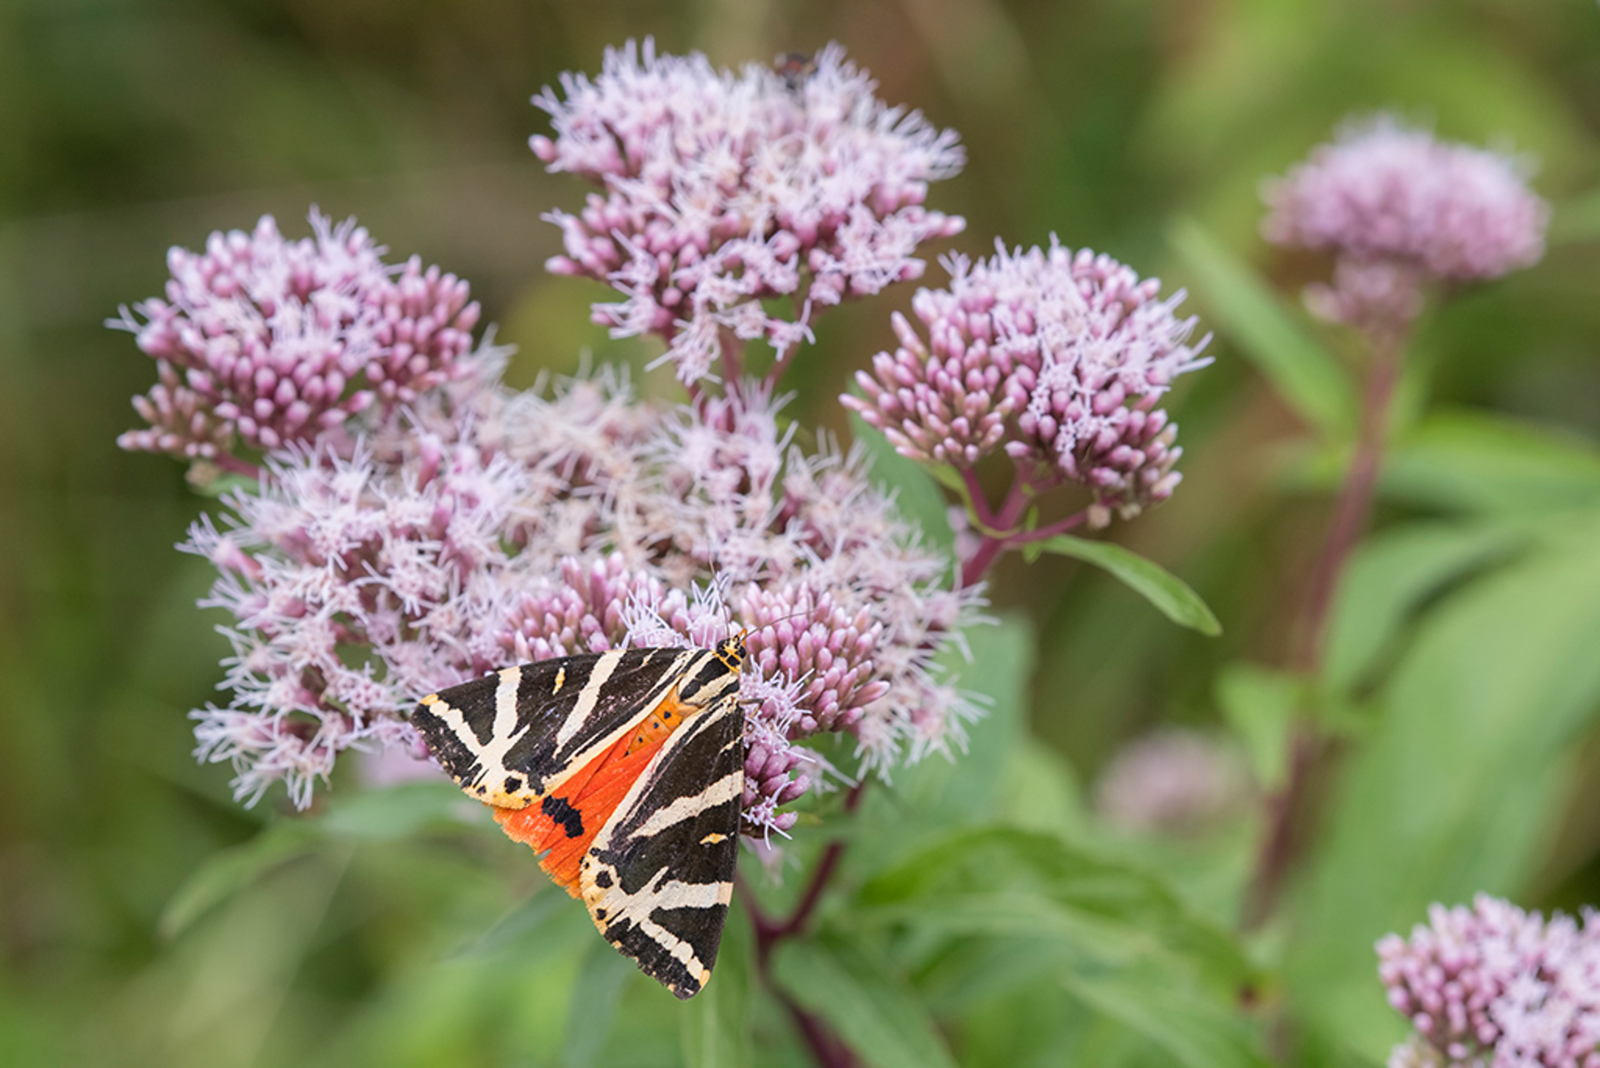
column 625, row 769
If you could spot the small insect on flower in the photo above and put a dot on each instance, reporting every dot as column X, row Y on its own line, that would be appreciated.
column 625, row 769
column 794, row 68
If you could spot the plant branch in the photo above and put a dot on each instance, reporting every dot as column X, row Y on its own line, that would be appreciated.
column 1287, row 809
column 1000, row 529
column 827, row 1049
column 1354, row 504
column 732, row 359
column 1072, row 522
column 781, row 364
column 975, row 494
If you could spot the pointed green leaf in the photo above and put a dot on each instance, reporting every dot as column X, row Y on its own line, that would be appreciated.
column 593, row 1004
column 716, row 1022
column 1261, row 705
column 873, row 1012
column 1253, row 317
column 1478, row 462
column 224, row 874
column 1389, row 576
column 998, row 881
column 1175, row 599
column 1196, row 1031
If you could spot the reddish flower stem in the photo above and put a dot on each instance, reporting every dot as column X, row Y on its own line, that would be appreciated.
column 980, row 500
column 732, row 359
column 1354, row 506
column 997, row 536
column 1072, row 522
column 827, row 1049
column 1287, row 808
column 781, row 364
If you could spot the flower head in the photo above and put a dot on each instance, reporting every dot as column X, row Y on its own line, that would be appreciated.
column 499, row 527
column 1059, row 358
column 267, row 342
column 1492, row 986
column 722, row 190
column 1399, row 208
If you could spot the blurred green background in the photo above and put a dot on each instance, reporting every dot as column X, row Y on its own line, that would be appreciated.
column 128, row 126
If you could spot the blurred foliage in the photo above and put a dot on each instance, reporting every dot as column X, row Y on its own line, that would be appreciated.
column 982, row 916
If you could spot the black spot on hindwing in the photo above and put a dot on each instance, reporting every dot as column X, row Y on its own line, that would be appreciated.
column 562, row 812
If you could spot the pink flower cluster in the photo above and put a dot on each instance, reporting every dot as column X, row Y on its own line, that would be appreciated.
column 1058, row 358
column 1492, row 986
column 721, row 191
column 1400, row 208
column 1172, row 781
column 487, row 527
column 267, row 342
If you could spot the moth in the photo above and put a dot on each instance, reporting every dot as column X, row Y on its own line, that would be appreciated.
column 625, row 769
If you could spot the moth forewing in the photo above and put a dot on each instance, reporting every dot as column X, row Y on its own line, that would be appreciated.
column 512, row 737
column 659, row 875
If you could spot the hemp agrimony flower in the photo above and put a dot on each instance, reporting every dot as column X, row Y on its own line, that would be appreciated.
column 1058, row 360
column 723, row 190
column 495, row 528
column 265, row 342
column 1492, row 986
column 1401, row 210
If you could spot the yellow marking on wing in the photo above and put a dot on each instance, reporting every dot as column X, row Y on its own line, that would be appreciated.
column 561, row 678
column 713, row 838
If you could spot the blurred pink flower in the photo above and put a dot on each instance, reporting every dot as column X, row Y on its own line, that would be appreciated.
column 721, row 191
column 267, row 342
column 1400, row 208
column 1492, row 986
column 1058, row 358
column 1172, row 781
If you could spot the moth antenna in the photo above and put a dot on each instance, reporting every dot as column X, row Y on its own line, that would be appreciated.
column 780, row 619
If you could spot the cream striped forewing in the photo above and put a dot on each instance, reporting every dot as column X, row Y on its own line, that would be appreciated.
column 658, row 877
column 510, row 738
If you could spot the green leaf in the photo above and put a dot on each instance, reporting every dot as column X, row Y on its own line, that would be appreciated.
column 1477, row 462
column 1176, row 600
column 1275, row 339
column 593, row 1004
column 915, row 489
column 1461, row 785
column 223, row 875
column 716, row 1022
column 1390, row 575
column 1107, row 930
column 1040, row 791
column 967, row 786
column 395, row 812
column 374, row 815
column 1261, row 705
column 996, row 881
column 1197, row 1032
column 873, row 1012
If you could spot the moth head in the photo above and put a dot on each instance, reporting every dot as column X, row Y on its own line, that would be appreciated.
column 731, row 650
